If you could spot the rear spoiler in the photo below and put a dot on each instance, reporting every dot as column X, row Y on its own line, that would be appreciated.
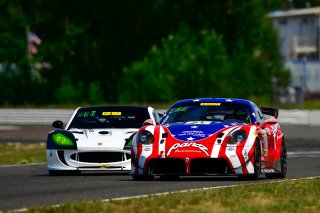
column 270, row 111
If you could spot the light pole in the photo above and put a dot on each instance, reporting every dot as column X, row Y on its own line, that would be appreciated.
column 303, row 81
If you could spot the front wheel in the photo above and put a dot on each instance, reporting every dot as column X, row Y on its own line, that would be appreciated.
column 63, row 172
column 169, row 177
column 256, row 165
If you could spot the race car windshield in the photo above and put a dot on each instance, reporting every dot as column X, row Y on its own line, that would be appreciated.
column 216, row 112
column 99, row 118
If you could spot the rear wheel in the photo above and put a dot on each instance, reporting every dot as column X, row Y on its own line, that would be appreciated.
column 283, row 164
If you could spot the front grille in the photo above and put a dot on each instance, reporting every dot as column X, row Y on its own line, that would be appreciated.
column 167, row 166
column 209, row 166
column 99, row 157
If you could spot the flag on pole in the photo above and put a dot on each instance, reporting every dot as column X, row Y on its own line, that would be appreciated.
column 33, row 41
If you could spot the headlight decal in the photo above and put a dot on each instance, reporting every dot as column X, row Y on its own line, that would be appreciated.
column 145, row 137
column 238, row 153
column 143, row 154
column 61, row 139
column 243, row 153
column 236, row 137
column 230, row 152
column 216, row 147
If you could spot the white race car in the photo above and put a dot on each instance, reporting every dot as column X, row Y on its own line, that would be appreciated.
column 96, row 139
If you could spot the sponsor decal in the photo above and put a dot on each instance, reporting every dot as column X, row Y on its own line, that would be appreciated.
column 268, row 171
column 279, row 136
column 210, row 104
column 111, row 113
column 198, row 122
column 179, row 109
column 184, row 145
column 264, row 143
column 231, row 149
column 200, row 134
column 104, row 166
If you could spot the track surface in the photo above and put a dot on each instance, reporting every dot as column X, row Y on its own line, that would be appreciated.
column 30, row 185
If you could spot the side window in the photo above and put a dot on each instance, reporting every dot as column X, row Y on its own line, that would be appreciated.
column 260, row 117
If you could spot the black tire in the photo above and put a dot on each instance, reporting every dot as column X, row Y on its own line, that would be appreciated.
column 55, row 172
column 283, row 164
column 142, row 177
column 169, row 177
column 62, row 172
column 256, row 164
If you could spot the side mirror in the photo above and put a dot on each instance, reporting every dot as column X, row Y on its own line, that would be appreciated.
column 148, row 122
column 57, row 124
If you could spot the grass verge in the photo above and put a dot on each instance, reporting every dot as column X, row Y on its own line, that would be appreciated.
column 22, row 153
column 300, row 195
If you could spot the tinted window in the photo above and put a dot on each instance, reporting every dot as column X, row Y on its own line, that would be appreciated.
column 97, row 118
column 221, row 112
column 260, row 117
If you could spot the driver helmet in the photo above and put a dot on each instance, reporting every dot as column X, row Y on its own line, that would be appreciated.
column 242, row 115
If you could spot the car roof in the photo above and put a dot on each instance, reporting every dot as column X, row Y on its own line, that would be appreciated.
column 114, row 107
column 219, row 100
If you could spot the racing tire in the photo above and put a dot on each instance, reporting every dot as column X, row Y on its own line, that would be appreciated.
column 142, row 177
column 283, row 164
column 256, row 165
column 56, row 172
column 62, row 172
column 169, row 177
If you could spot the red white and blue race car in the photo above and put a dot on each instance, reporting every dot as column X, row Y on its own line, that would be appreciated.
column 211, row 136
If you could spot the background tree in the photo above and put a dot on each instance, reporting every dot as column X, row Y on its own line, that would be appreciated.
column 86, row 46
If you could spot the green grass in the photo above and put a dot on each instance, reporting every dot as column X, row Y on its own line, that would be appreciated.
column 288, row 196
column 18, row 153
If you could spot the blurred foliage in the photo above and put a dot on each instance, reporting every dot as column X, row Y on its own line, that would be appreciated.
column 188, row 64
column 138, row 50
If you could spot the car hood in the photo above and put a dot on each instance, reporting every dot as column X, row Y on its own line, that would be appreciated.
column 104, row 139
column 191, row 131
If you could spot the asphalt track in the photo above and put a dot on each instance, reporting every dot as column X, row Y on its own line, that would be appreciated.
column 30, row 185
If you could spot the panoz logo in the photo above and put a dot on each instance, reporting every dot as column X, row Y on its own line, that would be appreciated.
column 183, row 145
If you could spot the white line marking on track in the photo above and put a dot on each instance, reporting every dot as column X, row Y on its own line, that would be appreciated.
column 303, row 154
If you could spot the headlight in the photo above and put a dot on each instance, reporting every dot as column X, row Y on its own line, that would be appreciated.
column 145, row 137
column 237, row 137
column 62, row 140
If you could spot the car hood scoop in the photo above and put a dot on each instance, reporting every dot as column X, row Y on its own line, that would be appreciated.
column 196, row 130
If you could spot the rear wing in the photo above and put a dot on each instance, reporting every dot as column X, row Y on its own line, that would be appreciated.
column 270, row 111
